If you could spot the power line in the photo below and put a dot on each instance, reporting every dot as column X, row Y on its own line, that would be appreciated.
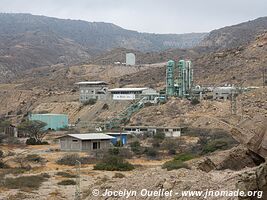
column 78, row 180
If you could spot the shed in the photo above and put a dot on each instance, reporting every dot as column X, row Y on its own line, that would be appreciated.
column 53, row 121
column 119, row 137
column 85, row 142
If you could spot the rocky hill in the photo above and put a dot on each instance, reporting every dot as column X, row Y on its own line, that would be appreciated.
column 235, row 36
column 28, row 41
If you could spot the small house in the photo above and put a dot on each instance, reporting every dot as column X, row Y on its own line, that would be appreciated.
column 85, row 142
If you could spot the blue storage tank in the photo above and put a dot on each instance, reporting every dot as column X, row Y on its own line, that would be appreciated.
column 53, row 121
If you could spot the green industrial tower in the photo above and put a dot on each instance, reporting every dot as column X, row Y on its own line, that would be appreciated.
column 179, row 85
column 170, row 78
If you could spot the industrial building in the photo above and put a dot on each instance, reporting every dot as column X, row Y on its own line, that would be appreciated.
column 179, row 84
column 53, row 121
column 92, row 90
column 130, row 59
column 169, row 131
column 85, row 142
column 133, row 93
column 223, row 92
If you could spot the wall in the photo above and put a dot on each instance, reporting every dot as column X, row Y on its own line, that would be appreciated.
column 91, row 92
column 72, row 144
column 54, row 122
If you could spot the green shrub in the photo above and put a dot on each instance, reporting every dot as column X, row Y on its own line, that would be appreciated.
column 34, row 158
column 136, row 147
column 159, row 135
column 67, row 182
column 184, row 157
column 33, row 141
column 195, row 101
column 174, row 164
column 114, row 163
column 172, row 152
column 151, row 152
column 66, row 175
column 114, row 151
column 214, row 145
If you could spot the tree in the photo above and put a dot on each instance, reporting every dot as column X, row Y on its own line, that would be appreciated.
column 35, row 129
column 4, row 124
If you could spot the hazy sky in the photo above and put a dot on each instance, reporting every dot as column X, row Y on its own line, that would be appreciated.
column 158, row 16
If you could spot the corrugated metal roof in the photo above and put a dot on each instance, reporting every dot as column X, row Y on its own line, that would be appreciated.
column 127, row 89
column 91, row 136
column 118, row 133
column 91, row 83
column 48, row 114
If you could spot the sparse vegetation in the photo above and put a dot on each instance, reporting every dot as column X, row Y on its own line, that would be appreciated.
column 136, row 147
column 174, row 164
column 151, row 152
column 34, row 158
column 27, row 182
column 178, row 162
column 65, row 174
column 118, row 175
column 214, row 145
column 67, row 182
column 70, row 159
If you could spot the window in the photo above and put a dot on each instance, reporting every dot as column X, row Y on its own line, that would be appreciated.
column 74, row 140
column 96, row 145
column 81, row 91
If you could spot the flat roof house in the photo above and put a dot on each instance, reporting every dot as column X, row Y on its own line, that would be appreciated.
column 85, row 142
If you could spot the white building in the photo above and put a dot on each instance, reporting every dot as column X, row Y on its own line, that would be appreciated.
column 92, row 90
column 223, row 92
column 168, row 131
column 133, row 93
column 130, row 59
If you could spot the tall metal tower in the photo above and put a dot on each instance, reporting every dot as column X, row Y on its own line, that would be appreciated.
column 78, row 180
column 170, row 78
column 185, row 78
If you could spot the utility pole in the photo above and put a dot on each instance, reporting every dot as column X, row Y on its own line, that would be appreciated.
column 264, row 79
column 78, row 180
column 233, row 102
